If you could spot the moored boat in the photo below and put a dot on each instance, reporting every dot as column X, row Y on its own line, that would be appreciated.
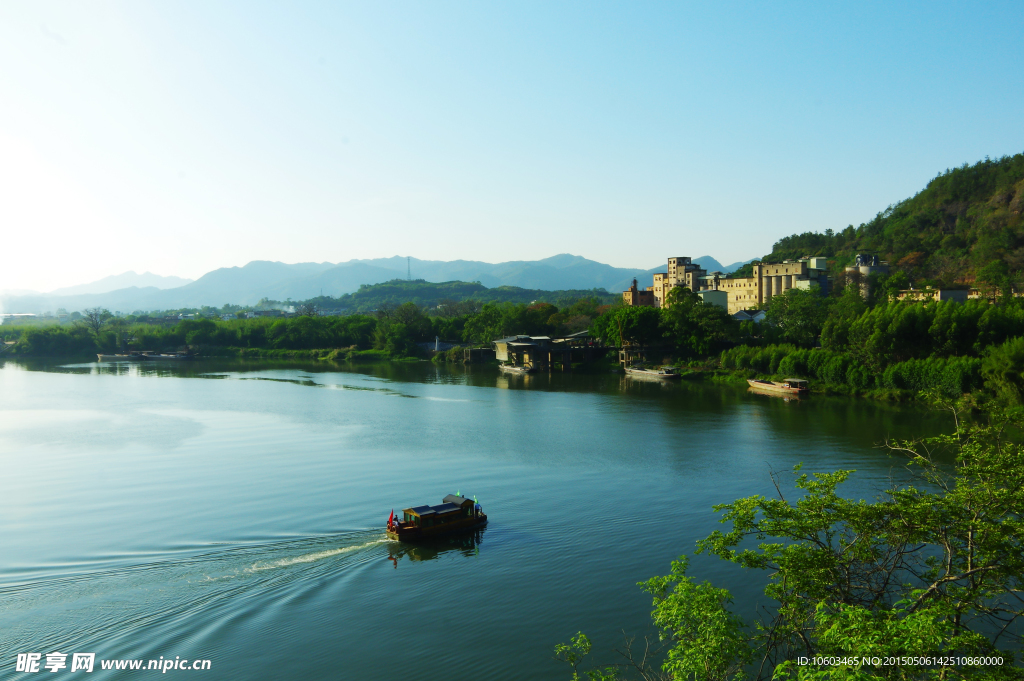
column 455, row 513
column 788, row 386
column 513, row 369
column 661, row 372
column 133, row 357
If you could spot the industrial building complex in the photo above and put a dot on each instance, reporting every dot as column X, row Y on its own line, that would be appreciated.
column 736, row 294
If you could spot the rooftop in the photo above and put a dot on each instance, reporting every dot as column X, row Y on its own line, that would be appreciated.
column 427, row 510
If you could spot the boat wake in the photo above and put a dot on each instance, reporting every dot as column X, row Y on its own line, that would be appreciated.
column 97, row 608
column 315, row 556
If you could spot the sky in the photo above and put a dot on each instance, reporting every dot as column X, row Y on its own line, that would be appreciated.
column 181, row 137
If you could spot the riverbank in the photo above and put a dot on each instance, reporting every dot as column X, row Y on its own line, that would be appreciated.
column 318, row 354
column 711, row 370
column 740, row 378
column 902, row 382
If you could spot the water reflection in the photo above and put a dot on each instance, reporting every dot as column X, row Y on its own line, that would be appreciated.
column 465, row 544
column 860, row 422
column 647, row 384
column 513, row 381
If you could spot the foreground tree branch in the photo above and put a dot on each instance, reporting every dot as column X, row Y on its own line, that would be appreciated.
column 932, row 568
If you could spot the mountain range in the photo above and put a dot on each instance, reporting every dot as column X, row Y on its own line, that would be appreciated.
column 967, row 224
column 120, row 281
column 281, row 281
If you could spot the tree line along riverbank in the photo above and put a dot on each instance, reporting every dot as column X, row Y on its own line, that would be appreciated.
column 843, row 342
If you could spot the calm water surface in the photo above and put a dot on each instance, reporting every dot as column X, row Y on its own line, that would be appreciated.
column 236, row 512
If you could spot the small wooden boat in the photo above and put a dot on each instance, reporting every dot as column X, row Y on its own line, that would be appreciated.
column 788, row 386
column 454, row 514
column 513, row 369
column 660, row 373
column 100, row 357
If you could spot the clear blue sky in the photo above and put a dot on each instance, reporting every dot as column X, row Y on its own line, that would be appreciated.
column 178, row 137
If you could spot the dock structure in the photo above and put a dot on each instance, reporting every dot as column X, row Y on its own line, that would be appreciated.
column 543, row 353
column 477, row 355
column 630, row 355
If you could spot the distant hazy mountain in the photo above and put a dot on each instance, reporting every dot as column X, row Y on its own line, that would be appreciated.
column 709, row 263
column 736, row 265
column 563, row 271
column 280, row 281
column 120, row 281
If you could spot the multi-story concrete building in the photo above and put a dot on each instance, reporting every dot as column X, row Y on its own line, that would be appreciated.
column 741, row 293
column 772, row 279
column 660, row 289
column 681, row 272
column 929, row 294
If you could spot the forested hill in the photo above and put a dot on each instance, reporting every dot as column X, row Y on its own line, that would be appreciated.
column 965, row 224
column 428, row 294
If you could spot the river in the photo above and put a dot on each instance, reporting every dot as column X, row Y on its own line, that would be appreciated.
column 235, row 512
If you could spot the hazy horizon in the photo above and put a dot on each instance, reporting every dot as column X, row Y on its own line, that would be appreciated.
column 69, row 290
column 177, row 139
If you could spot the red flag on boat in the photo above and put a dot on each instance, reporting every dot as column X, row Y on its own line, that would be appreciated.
column 391, row 517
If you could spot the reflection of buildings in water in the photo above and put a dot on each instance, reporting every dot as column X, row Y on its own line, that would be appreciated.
column 467, row 544
column 509, row 381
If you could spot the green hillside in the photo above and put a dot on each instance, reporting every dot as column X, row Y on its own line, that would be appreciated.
column 425, row 294
column 965, row 225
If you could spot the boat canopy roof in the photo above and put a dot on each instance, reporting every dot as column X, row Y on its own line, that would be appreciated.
column 440, row 509
column 452, row 502
column 795, row 380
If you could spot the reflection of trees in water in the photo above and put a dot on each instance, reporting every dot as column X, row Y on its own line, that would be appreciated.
column 467, row 544
column 823, row 422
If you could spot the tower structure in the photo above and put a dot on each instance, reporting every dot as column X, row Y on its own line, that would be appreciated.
column 681, row 272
